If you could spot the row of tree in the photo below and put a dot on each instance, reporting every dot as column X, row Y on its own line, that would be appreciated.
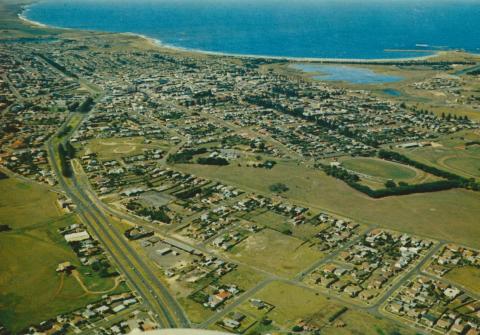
column 192, row 192
column 449, row 117
column 59, row 67
column 212, row 161
column 185, row 156
column 64, row 131
column 450, row 180
column 84, row 107
column 435, row 186
column 392, row 189
column 66, row 153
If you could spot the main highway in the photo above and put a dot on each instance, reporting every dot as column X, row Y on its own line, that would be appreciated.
column 155, row 295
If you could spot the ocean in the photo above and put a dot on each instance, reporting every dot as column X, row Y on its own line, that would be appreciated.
column 346, row 29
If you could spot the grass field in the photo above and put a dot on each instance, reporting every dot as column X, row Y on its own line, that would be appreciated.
column 30, row 289
column 114, row 148
column 358, row 322
column 269, row 219
column 21, row 201
column 275, row 252
column 195, row 311
column 449, row 215
column 467, row 165
column 375, row 172
column 467, row 276
column 243, row 277
column 279, row 223
column 380, row 168
column 293, row 303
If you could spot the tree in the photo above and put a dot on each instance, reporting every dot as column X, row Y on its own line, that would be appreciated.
column 64, row 164
column 297, row 328
column 212, row 161
column 390, row 184
column 70, row 150
column 86, row 106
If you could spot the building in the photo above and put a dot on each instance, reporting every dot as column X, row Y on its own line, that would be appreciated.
column 65, row 267
column 77, row 237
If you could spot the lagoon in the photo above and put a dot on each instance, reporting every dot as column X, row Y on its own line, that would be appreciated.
column 392, row 92
column 350, row 74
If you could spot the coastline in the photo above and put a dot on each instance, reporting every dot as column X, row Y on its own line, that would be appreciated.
column 22, row 15
column 33, row 23
column 284, row 58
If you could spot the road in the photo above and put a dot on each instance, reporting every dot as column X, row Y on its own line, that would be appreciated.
column 237, row 302
column 165, row 296
column 412, row 272
column 139, row 275
column 374, row 309
column 167, row 311
column 331, row 256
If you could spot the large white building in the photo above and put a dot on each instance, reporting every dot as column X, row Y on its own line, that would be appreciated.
column 76, row 237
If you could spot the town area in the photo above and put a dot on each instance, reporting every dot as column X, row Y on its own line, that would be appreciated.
column 145, row 188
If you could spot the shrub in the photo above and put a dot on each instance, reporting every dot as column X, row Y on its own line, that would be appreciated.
column 278, row 188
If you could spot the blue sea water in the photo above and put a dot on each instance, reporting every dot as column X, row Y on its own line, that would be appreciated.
column 354, row 75
column 362, row 29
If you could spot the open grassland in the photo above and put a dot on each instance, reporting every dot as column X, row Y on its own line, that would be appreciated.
column 447, row 215
column 195, row 311
column 268, row 219
column 30, row 289
column 292, row 303
column 358, row 322
column 466, row 276
column 21, row 203
column 466, row 165
column 281, row 224
column 243, row 277
column 275, row 252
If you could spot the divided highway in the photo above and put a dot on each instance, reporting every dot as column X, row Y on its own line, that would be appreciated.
column 155, row 295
